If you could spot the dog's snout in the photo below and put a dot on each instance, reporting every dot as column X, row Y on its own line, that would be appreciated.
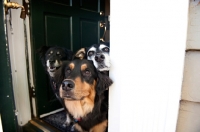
column 67, row 85
column 51, row 61
column 99, row 57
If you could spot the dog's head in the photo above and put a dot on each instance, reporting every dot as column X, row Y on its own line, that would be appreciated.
column 52, row 57
column 79, row 79
column 98, row 53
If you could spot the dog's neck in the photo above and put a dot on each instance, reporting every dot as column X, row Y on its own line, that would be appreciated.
column 80, row 108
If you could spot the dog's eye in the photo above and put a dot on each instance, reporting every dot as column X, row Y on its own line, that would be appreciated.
column 68, row 71
column 106, row 49
column 87, row 72
column 90, row 53
column 58, row 53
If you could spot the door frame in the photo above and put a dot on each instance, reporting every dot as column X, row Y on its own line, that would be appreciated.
column 7, row 105
column 19, row 52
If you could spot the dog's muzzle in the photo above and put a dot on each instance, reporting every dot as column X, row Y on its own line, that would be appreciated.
column 99, row 58
column 52, row 62
column 67, row 85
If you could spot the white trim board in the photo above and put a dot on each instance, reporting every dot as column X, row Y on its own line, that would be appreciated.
column 148, row 40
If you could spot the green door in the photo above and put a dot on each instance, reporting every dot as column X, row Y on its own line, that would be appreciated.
column 70, row 23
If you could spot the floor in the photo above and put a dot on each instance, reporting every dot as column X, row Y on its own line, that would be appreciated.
column 51, row 123
column 58, row 121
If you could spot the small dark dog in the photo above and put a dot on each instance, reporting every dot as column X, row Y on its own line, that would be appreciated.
column 82, row 88
column 52, row 58
column 98, row 53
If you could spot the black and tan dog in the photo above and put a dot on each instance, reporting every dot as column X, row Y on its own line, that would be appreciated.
column 82, row 87
column 52, row 58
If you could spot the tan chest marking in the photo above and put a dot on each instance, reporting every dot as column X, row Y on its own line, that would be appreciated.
column 79, row 108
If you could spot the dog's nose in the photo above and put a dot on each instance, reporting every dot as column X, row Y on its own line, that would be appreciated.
column 99, row 57
column 51, row 61
column 67, row 85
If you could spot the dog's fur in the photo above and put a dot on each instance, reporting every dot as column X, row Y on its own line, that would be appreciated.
column 82, row 88
column 98, row 53
column 52, row 58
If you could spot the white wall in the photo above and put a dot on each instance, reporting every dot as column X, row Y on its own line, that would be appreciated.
column 148, row 40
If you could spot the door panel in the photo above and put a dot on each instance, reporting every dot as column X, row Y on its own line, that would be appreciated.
column 57, row 30
column 88, row 29
column 70, row 23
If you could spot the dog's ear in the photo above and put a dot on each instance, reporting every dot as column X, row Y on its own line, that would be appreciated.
column 80, row 54
column 41, row 52
column 103, row 82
